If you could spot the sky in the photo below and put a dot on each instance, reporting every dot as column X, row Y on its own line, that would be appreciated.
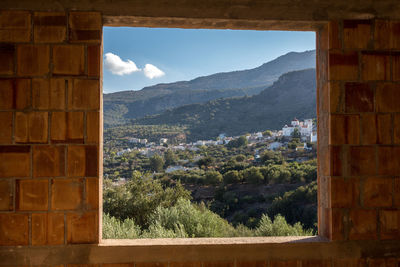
column 134, row 58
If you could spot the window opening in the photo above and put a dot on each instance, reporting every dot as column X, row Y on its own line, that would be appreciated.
column 209, row 133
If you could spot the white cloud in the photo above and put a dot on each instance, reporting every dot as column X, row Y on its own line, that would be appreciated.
column 151, row 71
column 117, row 66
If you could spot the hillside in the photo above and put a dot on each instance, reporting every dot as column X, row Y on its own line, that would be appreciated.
column 292, row 95
column 121, row 106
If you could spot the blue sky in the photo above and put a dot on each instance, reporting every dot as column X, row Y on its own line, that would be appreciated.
column 137, row 57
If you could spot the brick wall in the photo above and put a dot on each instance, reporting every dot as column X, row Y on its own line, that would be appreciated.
column 50, row 150
column 50, row 112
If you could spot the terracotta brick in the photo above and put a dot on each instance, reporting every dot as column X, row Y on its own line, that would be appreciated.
column 33, row 60
column 343, row 66
column 388, row 160
column 48, row 161
column 7, row 53
column 336, row 160
column 118, row 265
column 58, row 131
column 283, row 263
column 69, row 59
column 362, row 160
column 350, row 263
column 14, row 229
column 31, row 127
column 387, row 95
column 344, row 129
column 49, row 27
column 387, row 34
column 336, row 97
column 85, row 27
column 92, row 127
column 15, row 26
column 337, row 226
column 93, row 60
column 92, row 193
column 363, row 224
column 391, row 262
column 378, row 192
column 6, row 127
column 185, row 264
column 396, row 192
column 66, row 194
column 48, row 94
column 6, row 195
column 67, row 127
column 75, row 126
column 15, row 161
column 375, row 67
column 344, row 193
column 396, row 67
column 85, row 94
column 357, row 34
column 151, row 264
column 48, row 228
column 32, row 194
column 334, row 35
column 389, row 224
column 82, row 228
column 218, row 264
column 313, row 263
column 376, row 129
column 15, row 93
column 359, row 97
column 76, row 161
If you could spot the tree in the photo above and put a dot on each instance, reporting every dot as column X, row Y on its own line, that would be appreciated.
column 253, row 175
column 156, row 163
column 213, row 177
column 232, row 177
column 170, row 158
column 296, row 133
column 267, row 133
column 205, row 161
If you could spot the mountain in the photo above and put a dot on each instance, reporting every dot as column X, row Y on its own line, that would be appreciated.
column 121, row 106
column 292, row 95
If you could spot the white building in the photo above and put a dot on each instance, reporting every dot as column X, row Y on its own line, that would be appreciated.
column 163, row 140
column 305, row 128
column 274, row 145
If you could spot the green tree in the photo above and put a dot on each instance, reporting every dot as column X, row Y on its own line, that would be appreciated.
column 253, row 175
column 205, row 161
column 296, row 133
column 232, row 177
column 213, row 177
column 156, row 163
column 170, row 158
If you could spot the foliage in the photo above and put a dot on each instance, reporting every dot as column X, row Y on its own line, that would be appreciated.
column 121, row 229
column 156, row 163
column 239, row 142
column 231, row 177
column 279, row 227
column 213, row 177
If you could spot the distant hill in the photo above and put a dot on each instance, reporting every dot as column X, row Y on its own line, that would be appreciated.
column 120, row 107
column 292, row 95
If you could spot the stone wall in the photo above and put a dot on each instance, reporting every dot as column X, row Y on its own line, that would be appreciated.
column 50, row 152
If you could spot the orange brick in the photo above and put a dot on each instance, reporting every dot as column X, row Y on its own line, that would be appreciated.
column 14, row 229
column 388, row 160
column 390, row 224
column 32, row 194
column 93, row 58
column 92, row 193
column 82, row 161
column 391, row 262
column 283, row 263
column 6, row 127
column 334, row 35
column 336, row 222
column 82, row 228
column 375, row 66
column 85, row 27
column 15, row 93
column 396, row 192
column 7, row 53
column 313, row 263
column 378, row 192
column 357, row 34
column 343, row 66
column 350, row 263
column 344, row 129
column 48, row 161
column 184, row 264
column 359, row 97
column 336, row 97
column 387, row 95
column 218, row 264
column 66, row 194
column 118, row 265
column 6, row 93
column 15, row 26
column 336, row 160
column 363, row 224
column 33, row 59
column 85, row 94
column 6, row 194
column 69, row 59
column 31, row 127
column 49, row 27
column 75, row 126
column 396, row 67
column 67, row 127
column 48, row 93
column 344, row 193
column 92, row 127
column 376, row 129
column 47, row 228
column 362, row 160
column 384, row 129
column 387, row 34
column 15, row 161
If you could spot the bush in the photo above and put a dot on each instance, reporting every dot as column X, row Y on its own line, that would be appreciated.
column 232, row 177
column 213, row 177
column 252, row 175
column 279, row 227
column 116, row 229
